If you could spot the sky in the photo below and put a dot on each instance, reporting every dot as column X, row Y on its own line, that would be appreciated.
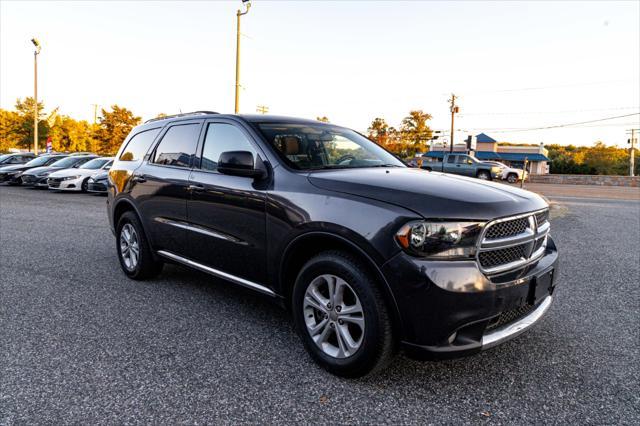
column 515, row 65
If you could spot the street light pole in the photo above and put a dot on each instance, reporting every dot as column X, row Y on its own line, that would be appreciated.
column 36, row 43
column 238, row 15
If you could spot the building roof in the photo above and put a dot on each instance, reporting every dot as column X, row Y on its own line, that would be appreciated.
column 485, row 138
column 491, row 155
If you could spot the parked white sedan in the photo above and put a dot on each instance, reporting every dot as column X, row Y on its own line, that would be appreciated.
column 510, row 174
column 78, row 179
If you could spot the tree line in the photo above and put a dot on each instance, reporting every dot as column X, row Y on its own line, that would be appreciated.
column 410, row 137
column 67, row 134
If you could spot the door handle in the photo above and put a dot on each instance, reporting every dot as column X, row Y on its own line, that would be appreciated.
column 138, row 179
column 197, row 188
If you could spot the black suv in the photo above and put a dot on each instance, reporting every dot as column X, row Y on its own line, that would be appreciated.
column 368, row 254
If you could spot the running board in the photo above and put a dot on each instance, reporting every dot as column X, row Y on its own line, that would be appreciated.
column 215, row 272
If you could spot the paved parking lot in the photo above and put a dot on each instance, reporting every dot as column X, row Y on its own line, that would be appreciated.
column 82, row 344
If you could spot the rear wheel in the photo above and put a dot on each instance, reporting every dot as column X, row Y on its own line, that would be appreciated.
column 512, row 178
column 484, row 175
column 341, row 316
column 134, row 251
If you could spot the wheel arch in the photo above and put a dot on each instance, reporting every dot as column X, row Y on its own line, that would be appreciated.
column 305, row 246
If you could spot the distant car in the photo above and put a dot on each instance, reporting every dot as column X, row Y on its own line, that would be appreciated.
column 77, row 179
column 12, row 175
column 38, row 177
column 465, row 165
column 98, row 182
column 510, row 174
column 19, row 158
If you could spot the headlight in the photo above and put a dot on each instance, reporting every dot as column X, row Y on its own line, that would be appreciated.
column 442, row 240
column 70, row 177
column 13, row 173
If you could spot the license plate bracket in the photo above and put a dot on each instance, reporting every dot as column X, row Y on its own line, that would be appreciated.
column 540, row 287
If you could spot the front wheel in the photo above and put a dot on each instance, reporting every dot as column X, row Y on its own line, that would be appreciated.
column 512, row 178
column 484, row 175
column 134, row 251
column 85, row 185
column 341, row 315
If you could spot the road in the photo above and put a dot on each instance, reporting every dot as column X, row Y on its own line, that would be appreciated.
column 83, row 344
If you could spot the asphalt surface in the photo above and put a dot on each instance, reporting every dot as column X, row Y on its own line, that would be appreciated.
column 80, row 343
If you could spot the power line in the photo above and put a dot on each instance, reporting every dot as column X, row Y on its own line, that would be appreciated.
column 550, row 112
column 555, row 126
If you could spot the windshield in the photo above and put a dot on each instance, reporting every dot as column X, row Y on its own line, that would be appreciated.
column 66, row 162
column 314, row 147
column 40, row 161
column 94, row 164
column 2, row 157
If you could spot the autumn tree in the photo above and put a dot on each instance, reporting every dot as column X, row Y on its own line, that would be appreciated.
column 10, row 128
column 23, row 130
column 68, row 134
column 378, row 131
column 114, row 127
column 415, row 131
column 323, row 119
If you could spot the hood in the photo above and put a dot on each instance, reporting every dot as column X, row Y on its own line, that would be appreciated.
column 43, row 169
column 18, row 167
column 72, row 172
column 101, row 175
column 430, row 194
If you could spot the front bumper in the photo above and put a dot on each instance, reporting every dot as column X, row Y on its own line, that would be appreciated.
column 10, row 178
column 449, row 309
column 33, row 180
column 97, row 186
column 65, row 185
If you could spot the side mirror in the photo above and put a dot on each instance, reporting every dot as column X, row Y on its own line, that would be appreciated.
column 240, row 163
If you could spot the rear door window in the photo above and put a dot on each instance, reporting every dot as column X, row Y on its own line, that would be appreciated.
column 178, row 145
column 139, row 145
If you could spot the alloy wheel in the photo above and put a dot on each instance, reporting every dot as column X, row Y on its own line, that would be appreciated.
column 129, row 246
column 334, row 316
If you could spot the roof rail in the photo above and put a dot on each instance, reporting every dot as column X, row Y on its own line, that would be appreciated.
column 180, row 115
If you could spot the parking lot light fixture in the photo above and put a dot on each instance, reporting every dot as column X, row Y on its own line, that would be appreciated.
column 36, row 52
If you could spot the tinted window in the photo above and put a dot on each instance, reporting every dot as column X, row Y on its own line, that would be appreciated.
column 139, row 145
column 41, row 161
column 221, row 138
column 463, row 159
column 451, row 159
column 68, row 162
column 178, row 145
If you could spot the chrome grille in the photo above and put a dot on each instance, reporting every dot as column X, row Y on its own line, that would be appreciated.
column 510, row 243
column 489, row 259
column 507, row 228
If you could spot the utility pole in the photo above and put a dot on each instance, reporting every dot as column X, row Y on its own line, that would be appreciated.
column 262, row 109
column 238, row 15
column 36, row 43
column 632, row 152
column 454, row 109
column 95, row 113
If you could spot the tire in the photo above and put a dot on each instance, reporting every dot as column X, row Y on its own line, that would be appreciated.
column 512, row 178
column 483, row 175
column 17, row 183
column 85, row 185
column 144, row 266
column 371, row 346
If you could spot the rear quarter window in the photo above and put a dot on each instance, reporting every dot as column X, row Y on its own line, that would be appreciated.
column 138, row 145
